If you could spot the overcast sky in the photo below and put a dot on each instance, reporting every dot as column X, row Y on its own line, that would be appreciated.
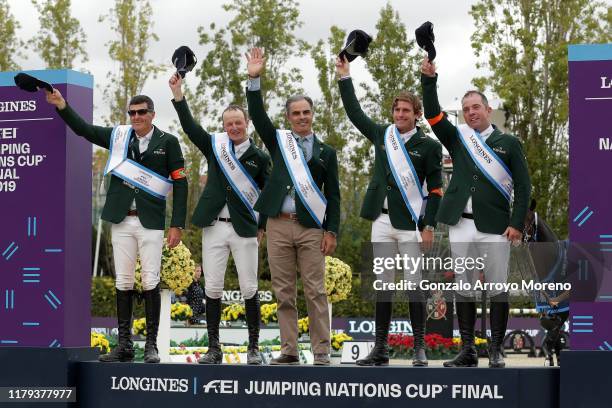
column 176, row 23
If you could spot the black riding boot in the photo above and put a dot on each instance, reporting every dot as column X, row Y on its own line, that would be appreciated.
column 466, row 315
column 379, row 355
column 125, row 348
column 418, row 317
column 499, row 321
column 253, row 316
column 213, row 318
column 152, row 300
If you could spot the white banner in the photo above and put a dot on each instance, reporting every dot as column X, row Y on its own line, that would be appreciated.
column 240, row 180
column 305, row 186
column 487, row 161
column 404, row 173
column 136, row 174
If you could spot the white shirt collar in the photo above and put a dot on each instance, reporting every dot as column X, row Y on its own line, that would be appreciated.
column 242, row 147
column 406, row 136
column 147, row 137
column 487, row 132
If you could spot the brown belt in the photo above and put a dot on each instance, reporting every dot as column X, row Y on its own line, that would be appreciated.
column 288, row 216
column 132, row 213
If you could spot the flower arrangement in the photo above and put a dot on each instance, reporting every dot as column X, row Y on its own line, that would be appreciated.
column 233, row 312
column 139, row 327
column 436, row 346
column 180, row 311
column 303, row 325
column 268, row 313
column 177, row 269
column 338, row 339
column 338, row 277
column 100, row 341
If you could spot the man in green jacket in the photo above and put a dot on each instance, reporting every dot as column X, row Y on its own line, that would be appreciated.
column 394, row 208
column 146, row 165
column 302, row 202
column 237, row 170
column 489, row 168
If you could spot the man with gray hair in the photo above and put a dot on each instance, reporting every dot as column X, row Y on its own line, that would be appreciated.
column 302, row 202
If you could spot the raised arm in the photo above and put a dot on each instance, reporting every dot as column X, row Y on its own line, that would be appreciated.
column 444, row 130
column 356, row 115
column 263, row 125
column 192, row 129
column 97, row 135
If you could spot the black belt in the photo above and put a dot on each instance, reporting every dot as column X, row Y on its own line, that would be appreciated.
column 468, row 215
column 385, row 211
column 224, row 219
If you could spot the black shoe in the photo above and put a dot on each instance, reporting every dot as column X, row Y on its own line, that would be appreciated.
column 499, row 321
column 379, row 355
column 418, row 316
column 124, row 351
column 285, row 359
column 254, row 356
column 496, row 358
column 213, row 318
column 467, row 357
column 152, row 300
column 466, row 315
column 253, row 317
column 212, row 356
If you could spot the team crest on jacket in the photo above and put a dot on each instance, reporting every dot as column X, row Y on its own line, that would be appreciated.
column 159, row 151
column 499, row 150
column 251, row 163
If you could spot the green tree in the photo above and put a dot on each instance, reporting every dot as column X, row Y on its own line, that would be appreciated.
column 10, row 44
column 132, row 21
column 269, row 24
column 523, row 44
column 393, row 62
column 60, row 40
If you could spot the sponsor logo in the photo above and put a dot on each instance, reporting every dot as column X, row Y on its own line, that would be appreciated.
column 221, row 387
column 149, row 384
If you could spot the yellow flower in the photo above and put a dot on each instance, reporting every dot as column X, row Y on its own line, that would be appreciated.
column 176, row 269
column 99, row 340
column 233, row 312
column 338, row 339
column 338, row 277
column 139, row 326
column 303, row 324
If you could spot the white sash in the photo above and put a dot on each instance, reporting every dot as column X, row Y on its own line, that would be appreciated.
column 304, row 185
column 404, row 173
column 126, row 169
column 241, row 181
column 487, row 161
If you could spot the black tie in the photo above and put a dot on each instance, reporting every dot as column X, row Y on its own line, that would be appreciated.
column 135, row 147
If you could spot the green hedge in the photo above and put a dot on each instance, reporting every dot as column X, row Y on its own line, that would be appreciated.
column 103, row 299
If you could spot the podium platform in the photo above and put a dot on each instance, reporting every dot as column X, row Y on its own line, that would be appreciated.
column 191, row 385
column 581, row 382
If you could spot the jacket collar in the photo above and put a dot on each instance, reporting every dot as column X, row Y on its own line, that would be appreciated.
column 156, row 139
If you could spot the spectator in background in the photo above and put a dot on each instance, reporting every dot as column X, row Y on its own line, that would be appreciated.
column 195, row 295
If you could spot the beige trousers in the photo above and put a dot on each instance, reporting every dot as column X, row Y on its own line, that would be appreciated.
column 292, row 247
